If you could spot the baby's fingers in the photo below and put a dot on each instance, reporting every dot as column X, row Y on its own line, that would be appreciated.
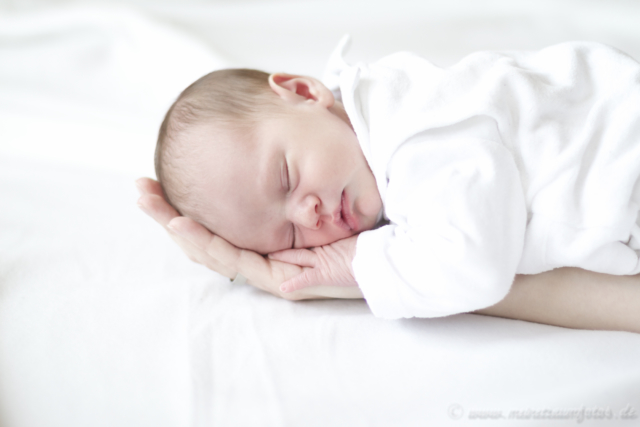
column 301, row 257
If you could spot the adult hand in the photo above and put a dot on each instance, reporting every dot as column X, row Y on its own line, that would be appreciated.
column 217, row 254
column 328, row 265
column 152, row 202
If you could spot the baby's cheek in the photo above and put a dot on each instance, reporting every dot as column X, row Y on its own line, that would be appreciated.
column 370, row 205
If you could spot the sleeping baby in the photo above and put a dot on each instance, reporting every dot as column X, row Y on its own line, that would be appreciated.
column 424, row 189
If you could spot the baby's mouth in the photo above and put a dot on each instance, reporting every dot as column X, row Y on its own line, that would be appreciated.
column 344, row 218
column 346, row 215
column 338, row 216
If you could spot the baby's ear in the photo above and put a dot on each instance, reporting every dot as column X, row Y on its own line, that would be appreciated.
column 294, row 88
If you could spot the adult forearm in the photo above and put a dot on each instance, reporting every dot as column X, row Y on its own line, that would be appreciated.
column 333, row 292
column 573, row 298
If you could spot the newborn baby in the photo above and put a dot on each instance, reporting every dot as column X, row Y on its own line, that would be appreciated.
column 262, row 172
column 454, row 180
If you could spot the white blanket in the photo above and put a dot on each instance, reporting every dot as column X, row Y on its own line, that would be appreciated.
column 104, row 322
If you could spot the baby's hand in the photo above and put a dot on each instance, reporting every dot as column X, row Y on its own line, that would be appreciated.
column 328, row 265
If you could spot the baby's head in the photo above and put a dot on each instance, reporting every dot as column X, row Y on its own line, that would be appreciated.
column 268, row 162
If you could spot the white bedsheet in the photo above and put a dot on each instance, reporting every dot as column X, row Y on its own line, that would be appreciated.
column 103, row 322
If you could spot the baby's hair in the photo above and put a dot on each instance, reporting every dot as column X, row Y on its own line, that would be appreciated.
column 235, row 99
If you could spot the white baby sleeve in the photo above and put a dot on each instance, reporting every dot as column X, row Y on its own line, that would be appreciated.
column 458, row 219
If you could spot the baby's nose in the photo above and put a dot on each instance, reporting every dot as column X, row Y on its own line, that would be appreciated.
column 308, row 215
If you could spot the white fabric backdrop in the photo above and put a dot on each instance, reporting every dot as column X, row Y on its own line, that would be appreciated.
column 103, row 322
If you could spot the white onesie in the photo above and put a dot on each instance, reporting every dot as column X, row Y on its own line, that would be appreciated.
column 505, row 163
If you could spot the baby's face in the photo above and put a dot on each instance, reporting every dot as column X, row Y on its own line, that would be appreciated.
column 302, row 182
